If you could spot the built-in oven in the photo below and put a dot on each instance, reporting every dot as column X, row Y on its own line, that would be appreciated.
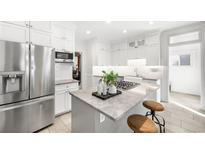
column 63, row 57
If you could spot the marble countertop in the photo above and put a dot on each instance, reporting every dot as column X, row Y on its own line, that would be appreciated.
column 58, row 82
column 117, row 106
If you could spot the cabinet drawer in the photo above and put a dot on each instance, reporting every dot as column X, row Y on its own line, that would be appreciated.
column 67, row 86
column 61, row 87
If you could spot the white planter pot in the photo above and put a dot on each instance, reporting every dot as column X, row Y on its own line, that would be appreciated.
column 112, row 89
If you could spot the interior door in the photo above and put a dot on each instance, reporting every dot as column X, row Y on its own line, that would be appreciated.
column 42, row 75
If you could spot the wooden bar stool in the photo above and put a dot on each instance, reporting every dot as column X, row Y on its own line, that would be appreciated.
column 141, row 124
column 154, row 106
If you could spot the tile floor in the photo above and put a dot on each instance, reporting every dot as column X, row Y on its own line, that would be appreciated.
column 191, row 101
column 62, row 124
column 178, row 120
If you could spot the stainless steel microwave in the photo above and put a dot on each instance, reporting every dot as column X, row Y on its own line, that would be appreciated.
column 63, row 57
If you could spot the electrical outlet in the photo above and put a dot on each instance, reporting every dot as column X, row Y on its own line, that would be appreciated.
column 102, row 117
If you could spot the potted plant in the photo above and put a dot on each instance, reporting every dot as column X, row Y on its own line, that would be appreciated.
column 110, row 80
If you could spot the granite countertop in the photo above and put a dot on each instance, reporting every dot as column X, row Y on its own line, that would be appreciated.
column 58, row 82
column 117, row 106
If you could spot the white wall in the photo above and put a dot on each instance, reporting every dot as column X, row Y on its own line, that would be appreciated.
column 186, row 79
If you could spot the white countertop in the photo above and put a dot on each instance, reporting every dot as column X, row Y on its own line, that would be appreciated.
column 117, row 106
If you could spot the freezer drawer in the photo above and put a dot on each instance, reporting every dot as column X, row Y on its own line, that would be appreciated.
column 28, row 116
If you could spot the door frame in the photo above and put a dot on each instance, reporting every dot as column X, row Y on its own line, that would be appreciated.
column 164, row 56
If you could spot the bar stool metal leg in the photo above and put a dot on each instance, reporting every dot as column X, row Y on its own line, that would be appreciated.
column 157, row 121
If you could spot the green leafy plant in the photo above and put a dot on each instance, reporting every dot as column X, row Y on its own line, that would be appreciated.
column 110, row 78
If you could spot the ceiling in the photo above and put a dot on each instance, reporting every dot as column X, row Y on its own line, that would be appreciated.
column 112, row 31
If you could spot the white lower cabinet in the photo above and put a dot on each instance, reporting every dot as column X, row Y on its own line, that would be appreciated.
column 63, row 97
column 60, row 99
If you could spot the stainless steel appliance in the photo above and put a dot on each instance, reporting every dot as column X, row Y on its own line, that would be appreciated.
column 63, row 57
column 27, row 78
column 126, row 85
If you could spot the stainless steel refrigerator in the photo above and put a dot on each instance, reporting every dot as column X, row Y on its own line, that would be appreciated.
column 26, row 87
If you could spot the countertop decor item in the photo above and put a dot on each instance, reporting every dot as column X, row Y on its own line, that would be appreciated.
column 104, row 97
column 110, row 79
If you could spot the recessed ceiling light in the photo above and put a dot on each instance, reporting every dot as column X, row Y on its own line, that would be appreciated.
column 88, row 32
column 124, row 31
column 108, row 22
column 151, row 22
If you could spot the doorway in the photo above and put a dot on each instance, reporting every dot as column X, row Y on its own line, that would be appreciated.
column 77, row 67
column 185, row 75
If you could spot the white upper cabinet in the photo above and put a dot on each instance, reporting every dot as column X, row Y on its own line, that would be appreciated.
column 11, row 32
column 151, row 40
column 58, row 43
column 40, row 33
column 63, row 33
column 40, row 37
column 41, row 25
column 63, row 38
column 19, row 23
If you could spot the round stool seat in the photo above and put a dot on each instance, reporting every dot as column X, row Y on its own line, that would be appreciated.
column 153, row 105
column 141, row 124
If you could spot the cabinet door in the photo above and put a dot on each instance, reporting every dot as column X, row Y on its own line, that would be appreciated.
column 10, row 32
column 60, row 101
column 69, row 98
column 40, row 38
column 41, row 25
column 68, row 102
column 58, row 43
column 62, row 43
column 63, row 32
column 69, row 45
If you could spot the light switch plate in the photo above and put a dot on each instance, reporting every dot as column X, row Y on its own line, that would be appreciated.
column 102, row 117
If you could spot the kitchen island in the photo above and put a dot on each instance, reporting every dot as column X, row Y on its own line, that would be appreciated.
column 93, row 115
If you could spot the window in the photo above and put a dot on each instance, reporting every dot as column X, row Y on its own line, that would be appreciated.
column 193, row 36
column 185, row 60
column 180, row 60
